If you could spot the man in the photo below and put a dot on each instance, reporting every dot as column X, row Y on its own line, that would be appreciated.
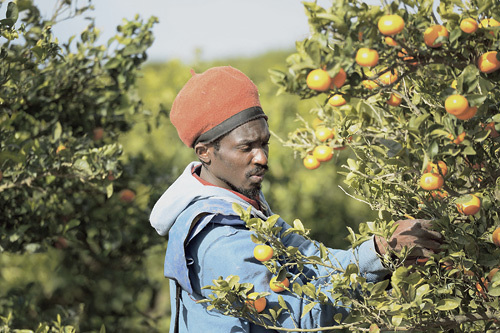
column 218, row 113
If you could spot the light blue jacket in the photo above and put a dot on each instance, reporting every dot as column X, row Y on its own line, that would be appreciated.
column 218, row 244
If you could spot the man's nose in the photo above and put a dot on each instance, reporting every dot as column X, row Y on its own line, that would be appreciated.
column 260, row 156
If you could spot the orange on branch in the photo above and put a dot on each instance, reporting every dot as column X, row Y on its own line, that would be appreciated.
column 468, row 114
column 434, row 32
column 458, row 140
column 468, row 25
column 431, row 181
column 495, row 237
column 263, row 252
column 126, row 195
column 394, row 100
column 440, row 168
column 390, row 41
column 389, row 77
column 278, row 286
column 337, row 100
column 390, row 24
column 366, row 57
column 323, row 133
column 323, row 153
column 491, row 127
column 339, row 79
column 311, row 162
column 319, row 80
column 471, row 206
column 488, row 62
column 456, row 104
column 489, row 22
column 258, row 304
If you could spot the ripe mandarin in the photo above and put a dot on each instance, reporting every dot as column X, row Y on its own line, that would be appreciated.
column 311, row 162
column 468, row 25
column 488, row 62
column 323, row 133
column 337, row 100
column 319, row 80
column 258, row 304
column 263, row 252
column 431, row 181
column 323, row 153
column 366, row 57
column 456, row 104
column 471, row 206
column 278, row 286
column 390, row 24
column 432, row 33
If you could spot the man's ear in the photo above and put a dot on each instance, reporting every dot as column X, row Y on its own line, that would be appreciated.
column 202, row 150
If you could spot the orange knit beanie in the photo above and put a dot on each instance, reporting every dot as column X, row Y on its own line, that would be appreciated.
column 214, row 103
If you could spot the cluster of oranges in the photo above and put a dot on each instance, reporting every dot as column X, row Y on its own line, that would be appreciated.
column 262, row 253
column 322, row 152
column 433, row 180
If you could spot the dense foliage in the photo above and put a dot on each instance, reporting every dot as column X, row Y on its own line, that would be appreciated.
column 412, row 90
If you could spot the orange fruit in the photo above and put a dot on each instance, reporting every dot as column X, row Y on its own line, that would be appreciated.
column 456, row 104
column 390, row 41
column 390, row 24
column 458, row 140
column 126, row 195
column 489, row 22
column 319, row 80
column 471, row 207
column 60, row 148
column 404, row 54
column 394, row 100
column 439, row 194
column 278, row 286
column 496, row 237
column 432, row 33
column 98, row 133
column 389, row 77
column 311, row 162
column 323, row 153
column 468, row 114
column 440, row 168
column 491, row 127
column 479, row 286
column 369, row 84
column 339, row 79
column 263, row 252
column 488, row 62
column 316, row 122
column 323, row 133
column 431, row 181
column 258, row 304
column 366, row 57
column 337, row 100
column 468, row 25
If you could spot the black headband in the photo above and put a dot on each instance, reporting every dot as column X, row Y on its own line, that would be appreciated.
column 230, row 124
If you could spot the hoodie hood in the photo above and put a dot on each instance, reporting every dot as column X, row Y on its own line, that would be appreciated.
column 185, row 191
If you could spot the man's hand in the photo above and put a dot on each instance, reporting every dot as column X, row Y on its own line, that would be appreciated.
column 416, row 235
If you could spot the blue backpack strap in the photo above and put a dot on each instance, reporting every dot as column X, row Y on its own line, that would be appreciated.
column 189, row 223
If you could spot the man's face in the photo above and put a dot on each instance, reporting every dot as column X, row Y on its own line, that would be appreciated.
column 241, row 160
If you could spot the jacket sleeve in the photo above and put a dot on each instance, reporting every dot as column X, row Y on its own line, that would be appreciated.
column 223, row 250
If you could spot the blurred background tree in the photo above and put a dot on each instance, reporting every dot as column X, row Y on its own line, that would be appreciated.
column 86, row 148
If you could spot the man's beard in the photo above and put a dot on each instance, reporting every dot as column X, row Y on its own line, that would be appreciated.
column 252, row 193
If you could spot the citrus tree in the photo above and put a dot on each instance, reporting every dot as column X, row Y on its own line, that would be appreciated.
column 65, row 189
column 411, row 90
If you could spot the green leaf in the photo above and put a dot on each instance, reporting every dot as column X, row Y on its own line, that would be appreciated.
column 448, row 304
column 308, row 308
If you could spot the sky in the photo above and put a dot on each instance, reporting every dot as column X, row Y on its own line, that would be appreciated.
column 217, row 28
